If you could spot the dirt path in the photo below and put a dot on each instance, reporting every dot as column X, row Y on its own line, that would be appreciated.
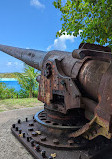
column 10, row 148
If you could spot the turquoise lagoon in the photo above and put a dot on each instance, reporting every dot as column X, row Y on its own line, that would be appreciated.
column 11, row 83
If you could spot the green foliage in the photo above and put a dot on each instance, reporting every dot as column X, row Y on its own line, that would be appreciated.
column 28, row 82
column 6, row 93
column 22, row 94
column 94, row 17
column 7, row 75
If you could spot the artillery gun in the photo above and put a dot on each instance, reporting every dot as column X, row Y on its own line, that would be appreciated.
column 76, row 89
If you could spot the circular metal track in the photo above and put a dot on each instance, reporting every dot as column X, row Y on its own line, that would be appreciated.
column 41, row 118
column 54, row 134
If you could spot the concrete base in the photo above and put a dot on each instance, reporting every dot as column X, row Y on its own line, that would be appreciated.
column 10, row 147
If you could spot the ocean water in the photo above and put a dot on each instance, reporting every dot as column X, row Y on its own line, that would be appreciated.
column 11, row 83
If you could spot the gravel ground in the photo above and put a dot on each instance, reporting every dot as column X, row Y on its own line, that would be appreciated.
column 10, row 147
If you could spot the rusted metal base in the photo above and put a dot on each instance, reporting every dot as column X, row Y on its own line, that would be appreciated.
column 48, row 140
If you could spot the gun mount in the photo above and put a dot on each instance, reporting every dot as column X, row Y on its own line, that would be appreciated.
column 76, row 89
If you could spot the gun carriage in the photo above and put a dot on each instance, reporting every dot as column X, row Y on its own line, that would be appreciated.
column 76, row 89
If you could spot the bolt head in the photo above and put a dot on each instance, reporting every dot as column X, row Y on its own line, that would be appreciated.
column 32, row 142
column 37, row 147
column 23, row 135
column 43, row 138
column 56, row 141
column 19, row 121
column 34, row 134
column 43, row 152
column 31, row 124
column 70, row 142
column 13, row 125
column 16, row 128
column 50, row 157
column 30, row 129
column 28, row 139
column 20, row 131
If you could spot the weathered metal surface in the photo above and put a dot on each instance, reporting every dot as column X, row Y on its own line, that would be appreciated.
column 57, row 89
column 90, row 76
column 31, row 57
column 94, row 47
column 76, row 89
column 46, row 142
column 97, row 51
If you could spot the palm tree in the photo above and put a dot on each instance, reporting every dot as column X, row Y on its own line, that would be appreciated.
column 27, row 80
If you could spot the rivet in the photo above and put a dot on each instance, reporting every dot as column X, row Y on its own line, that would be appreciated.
column 16, row 128
column 30, row 129
column 43, row 153
column 20, row 131
column 19, row 121
column 50, row 157
column 32, row 142
column 28, row 139
column 43, row 138
column 23, row 135
column 56, row 141
column 13, row 125
column 70, row 142
column 26, row 119
column 31, row 124
column 37, row 147
column 34, row 134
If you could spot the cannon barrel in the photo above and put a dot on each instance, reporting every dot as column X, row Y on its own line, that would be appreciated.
column 31, row 57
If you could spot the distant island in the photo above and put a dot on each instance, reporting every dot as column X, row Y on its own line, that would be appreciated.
column 10, row 80
column 7, row 75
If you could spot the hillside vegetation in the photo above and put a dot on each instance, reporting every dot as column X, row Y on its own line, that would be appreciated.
column 7, row 75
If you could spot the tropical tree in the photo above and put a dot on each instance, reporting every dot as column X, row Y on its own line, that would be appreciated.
column 93, row 17
column 27, row 81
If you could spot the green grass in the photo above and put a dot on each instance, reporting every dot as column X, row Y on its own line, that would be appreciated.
column 10, row 104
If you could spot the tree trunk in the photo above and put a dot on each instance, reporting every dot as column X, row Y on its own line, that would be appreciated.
column 30, row 94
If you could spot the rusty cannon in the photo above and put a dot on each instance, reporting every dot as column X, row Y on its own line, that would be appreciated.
column 76, row 89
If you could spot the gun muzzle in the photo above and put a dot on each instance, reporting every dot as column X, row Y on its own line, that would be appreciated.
column 31, row 57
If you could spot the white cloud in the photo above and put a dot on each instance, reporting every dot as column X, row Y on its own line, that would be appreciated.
column 37, row 3
column 60, row 42
column 27, row 48
column 9, row 63
column 14, row 64
column 49, row 47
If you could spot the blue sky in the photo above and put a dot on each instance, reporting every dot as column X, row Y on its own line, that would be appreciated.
column 31, row 24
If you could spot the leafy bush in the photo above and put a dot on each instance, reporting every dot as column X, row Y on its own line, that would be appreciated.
column 6, row 93
column 23, row 94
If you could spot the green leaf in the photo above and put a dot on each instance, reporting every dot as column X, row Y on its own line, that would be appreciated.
column 94, row 17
